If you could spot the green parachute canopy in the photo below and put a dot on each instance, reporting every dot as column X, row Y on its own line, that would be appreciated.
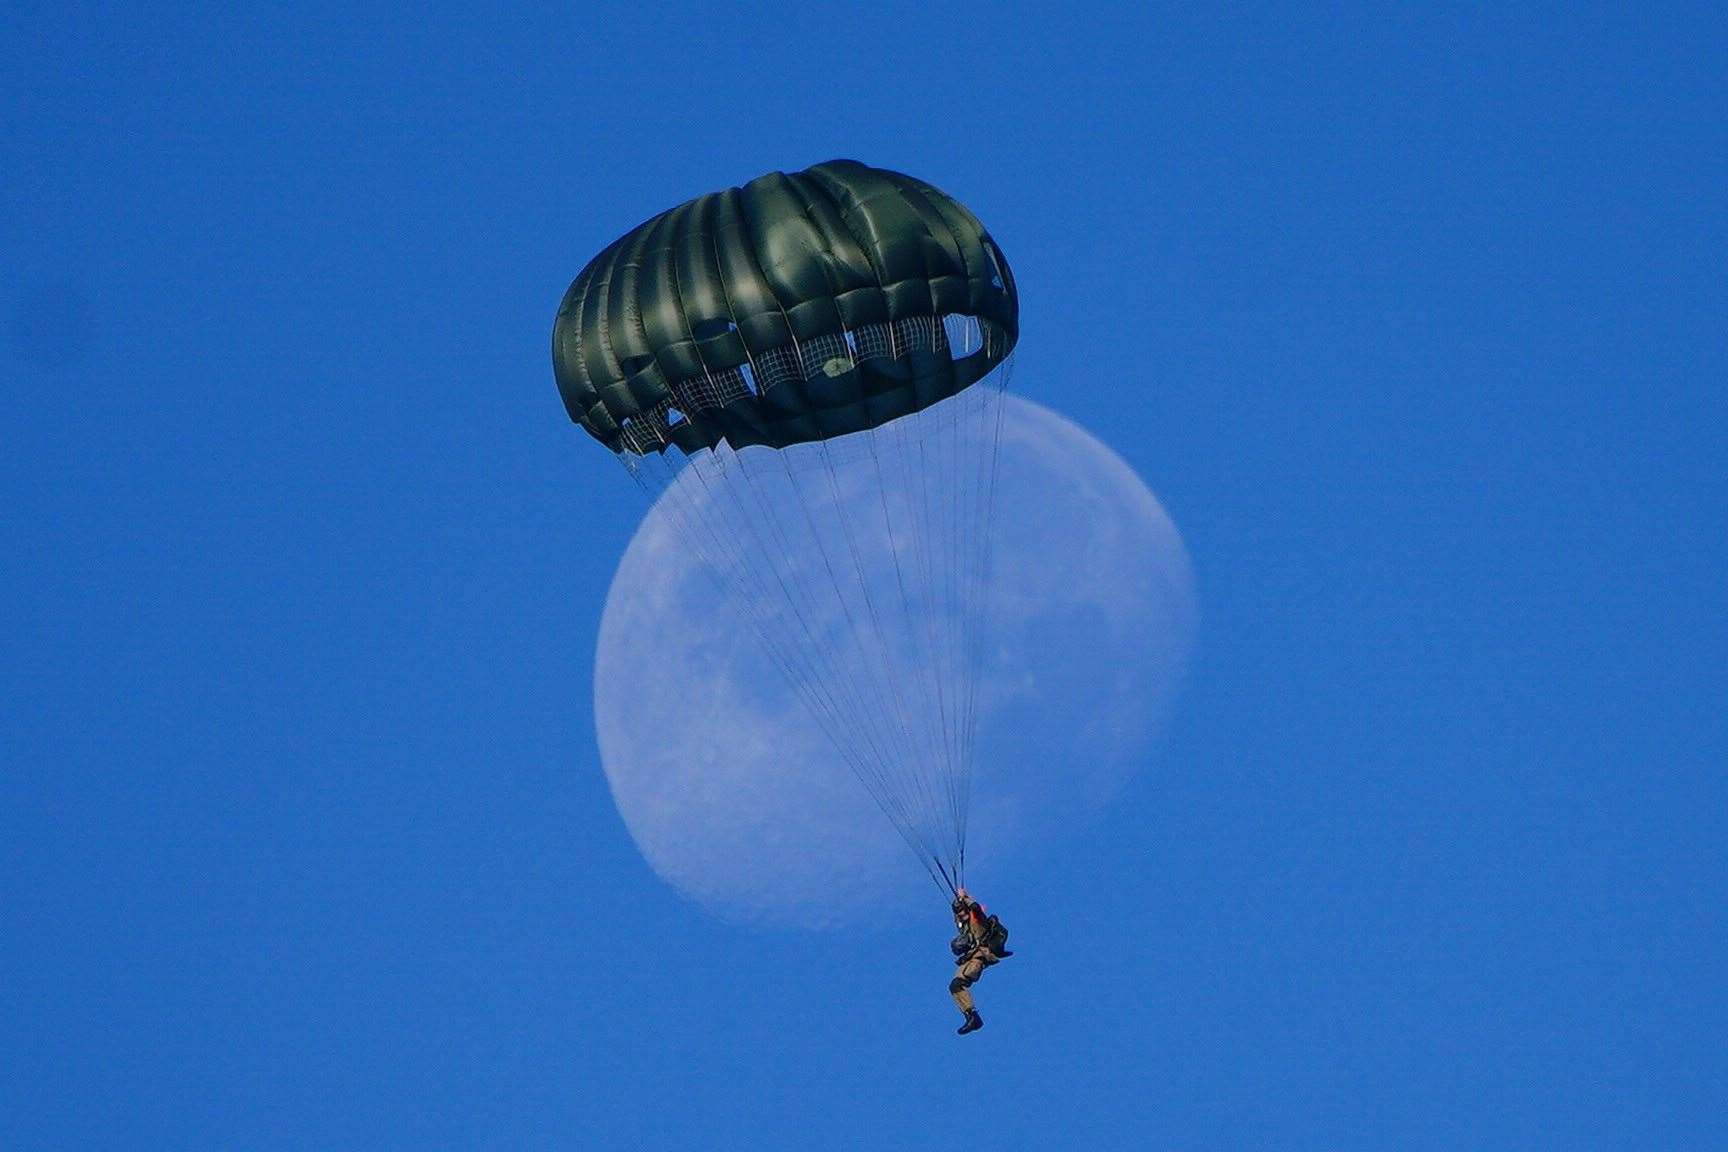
column 800, row 307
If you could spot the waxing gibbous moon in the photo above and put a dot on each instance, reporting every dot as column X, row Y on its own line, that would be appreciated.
column 737, row 798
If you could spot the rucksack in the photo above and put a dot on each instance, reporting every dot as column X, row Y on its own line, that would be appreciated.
column 995, row 935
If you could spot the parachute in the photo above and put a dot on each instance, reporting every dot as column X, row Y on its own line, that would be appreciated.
column 807, row 372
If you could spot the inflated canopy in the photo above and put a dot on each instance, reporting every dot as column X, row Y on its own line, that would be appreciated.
column 799, row 307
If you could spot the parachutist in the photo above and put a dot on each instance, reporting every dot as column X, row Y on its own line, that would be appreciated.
column 981, row 940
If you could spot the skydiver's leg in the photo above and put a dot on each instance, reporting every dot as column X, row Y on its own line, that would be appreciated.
column 961, row 986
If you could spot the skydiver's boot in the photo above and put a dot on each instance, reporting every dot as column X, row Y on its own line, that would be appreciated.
column 973, row 1023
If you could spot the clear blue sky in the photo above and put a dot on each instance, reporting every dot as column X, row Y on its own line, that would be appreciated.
column 1418, row 324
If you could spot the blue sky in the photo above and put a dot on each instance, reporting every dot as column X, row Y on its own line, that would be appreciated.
column 1415, row 321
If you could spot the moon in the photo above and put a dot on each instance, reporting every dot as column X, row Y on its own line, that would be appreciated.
column 736, row 797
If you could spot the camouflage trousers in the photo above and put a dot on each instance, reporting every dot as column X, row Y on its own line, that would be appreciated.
column 971, row 967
